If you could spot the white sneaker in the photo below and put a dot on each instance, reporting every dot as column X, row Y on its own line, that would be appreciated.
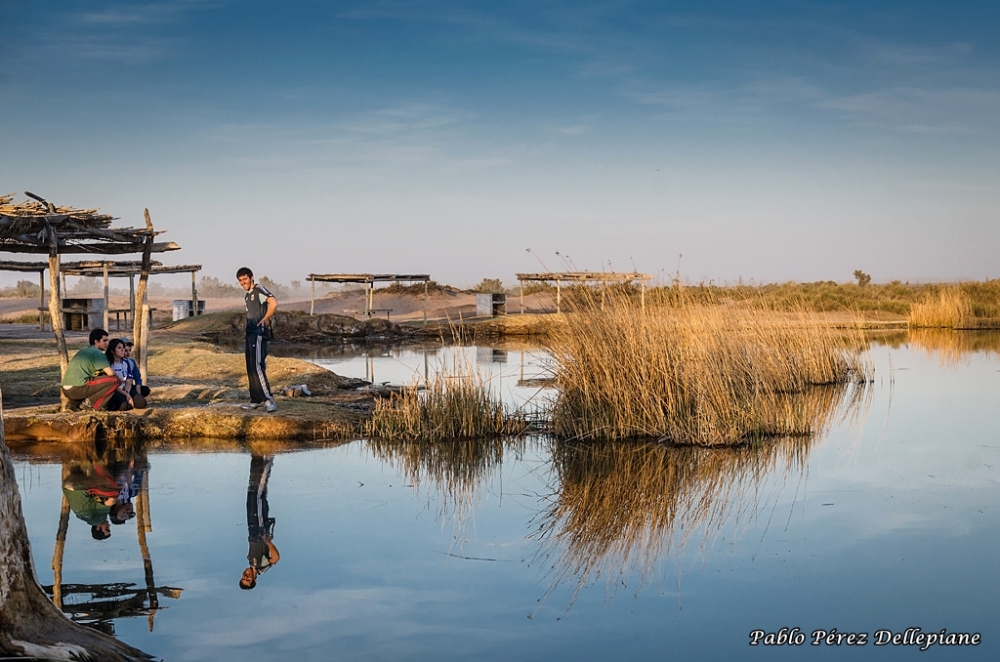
column 270, row 406
column 305, row 390
column 250, row 406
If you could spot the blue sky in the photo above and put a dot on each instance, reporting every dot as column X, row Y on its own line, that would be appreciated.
column 767, row 141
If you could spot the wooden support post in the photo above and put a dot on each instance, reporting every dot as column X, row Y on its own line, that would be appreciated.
column 312, row 297
column 194, row 295
column 644, row 295
column 425, row 305
column 41, row 300
column 520, row 286
column 107, row 300
column 140, row 309
column 55, row 315
column 371, row 299
column 144, row 343
column 131, row 299
column 558, row 297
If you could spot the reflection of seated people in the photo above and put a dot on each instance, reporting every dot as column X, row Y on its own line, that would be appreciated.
column 92, row 492
column 260, row 528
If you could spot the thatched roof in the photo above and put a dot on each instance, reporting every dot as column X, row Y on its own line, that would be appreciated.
column 38, row 226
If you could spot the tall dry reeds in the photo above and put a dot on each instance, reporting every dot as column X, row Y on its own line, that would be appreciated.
column 949, row 308
column 694, row 373
column 455, row 404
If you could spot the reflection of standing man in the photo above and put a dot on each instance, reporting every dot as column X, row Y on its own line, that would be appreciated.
column 263, row 554
column 261, row 306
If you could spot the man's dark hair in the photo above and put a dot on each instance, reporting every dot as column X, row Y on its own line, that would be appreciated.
column 98, row 533
column 244, row 271
column 248, row 587
column 96, row 335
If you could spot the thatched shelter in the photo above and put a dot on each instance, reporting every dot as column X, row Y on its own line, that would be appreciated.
column 36, row 226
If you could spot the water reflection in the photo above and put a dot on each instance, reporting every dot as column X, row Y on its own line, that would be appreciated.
column 950, row 347
column 110, row 489
column 619, row 510
column 262, row 554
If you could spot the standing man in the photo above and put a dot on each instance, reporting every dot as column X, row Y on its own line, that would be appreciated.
column 261, row 306
column 89, row 375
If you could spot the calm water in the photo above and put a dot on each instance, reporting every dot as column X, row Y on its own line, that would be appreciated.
column 537, row 551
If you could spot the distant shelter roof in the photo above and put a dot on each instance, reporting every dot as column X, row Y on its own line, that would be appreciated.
column 368, row 278
column 585, row 276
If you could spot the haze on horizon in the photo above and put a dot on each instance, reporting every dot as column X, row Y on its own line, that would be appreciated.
column 764, row 141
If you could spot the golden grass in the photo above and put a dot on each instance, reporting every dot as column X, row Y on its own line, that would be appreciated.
column 455, row 404
column 696, row 374
column 949, row 308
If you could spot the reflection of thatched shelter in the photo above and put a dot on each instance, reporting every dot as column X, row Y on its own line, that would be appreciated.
column 37, row 226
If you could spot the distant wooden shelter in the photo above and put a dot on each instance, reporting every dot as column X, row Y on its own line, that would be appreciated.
column 369, row 280
column 105, row 269
column 603, row 277
column 37, row 226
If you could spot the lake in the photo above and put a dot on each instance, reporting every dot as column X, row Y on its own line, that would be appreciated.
column 531, row 549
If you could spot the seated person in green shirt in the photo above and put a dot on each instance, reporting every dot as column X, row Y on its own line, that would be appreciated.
column 89, row 375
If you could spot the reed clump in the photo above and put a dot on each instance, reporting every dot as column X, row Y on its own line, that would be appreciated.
column 948, row 308
column 697, row 374
column 456, row 404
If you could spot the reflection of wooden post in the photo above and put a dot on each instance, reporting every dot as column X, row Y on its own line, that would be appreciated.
column 141, row 527
column 312, row 297
column 41, row 300
column 57, row 555
column 107, row 318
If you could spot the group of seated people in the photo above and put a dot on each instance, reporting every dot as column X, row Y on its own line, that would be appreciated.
column 105, row 376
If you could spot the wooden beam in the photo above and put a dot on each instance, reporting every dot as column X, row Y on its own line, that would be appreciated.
column 89, row 249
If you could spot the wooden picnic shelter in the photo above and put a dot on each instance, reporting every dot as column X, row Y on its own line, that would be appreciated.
column 369, row 280
column 37, row 226
column 602, row 277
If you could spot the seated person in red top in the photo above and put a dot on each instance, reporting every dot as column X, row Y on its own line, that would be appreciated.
column 89, row 375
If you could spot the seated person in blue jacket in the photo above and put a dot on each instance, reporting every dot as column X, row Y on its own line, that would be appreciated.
column 139, row 391
column 89, row 376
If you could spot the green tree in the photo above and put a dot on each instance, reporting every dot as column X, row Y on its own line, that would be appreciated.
column 863, row 278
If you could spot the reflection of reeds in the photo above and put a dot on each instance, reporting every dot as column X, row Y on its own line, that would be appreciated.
column 952, row 347
column 949, row 308
column 695, row 374
column 622, row 509
column 458, row 469
column 454, row 405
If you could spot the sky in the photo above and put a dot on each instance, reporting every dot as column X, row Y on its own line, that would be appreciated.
column 722, row 141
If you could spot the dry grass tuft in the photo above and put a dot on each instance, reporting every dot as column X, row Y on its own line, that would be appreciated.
column 455, row 404
column 949, row 308
column 695, row 373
